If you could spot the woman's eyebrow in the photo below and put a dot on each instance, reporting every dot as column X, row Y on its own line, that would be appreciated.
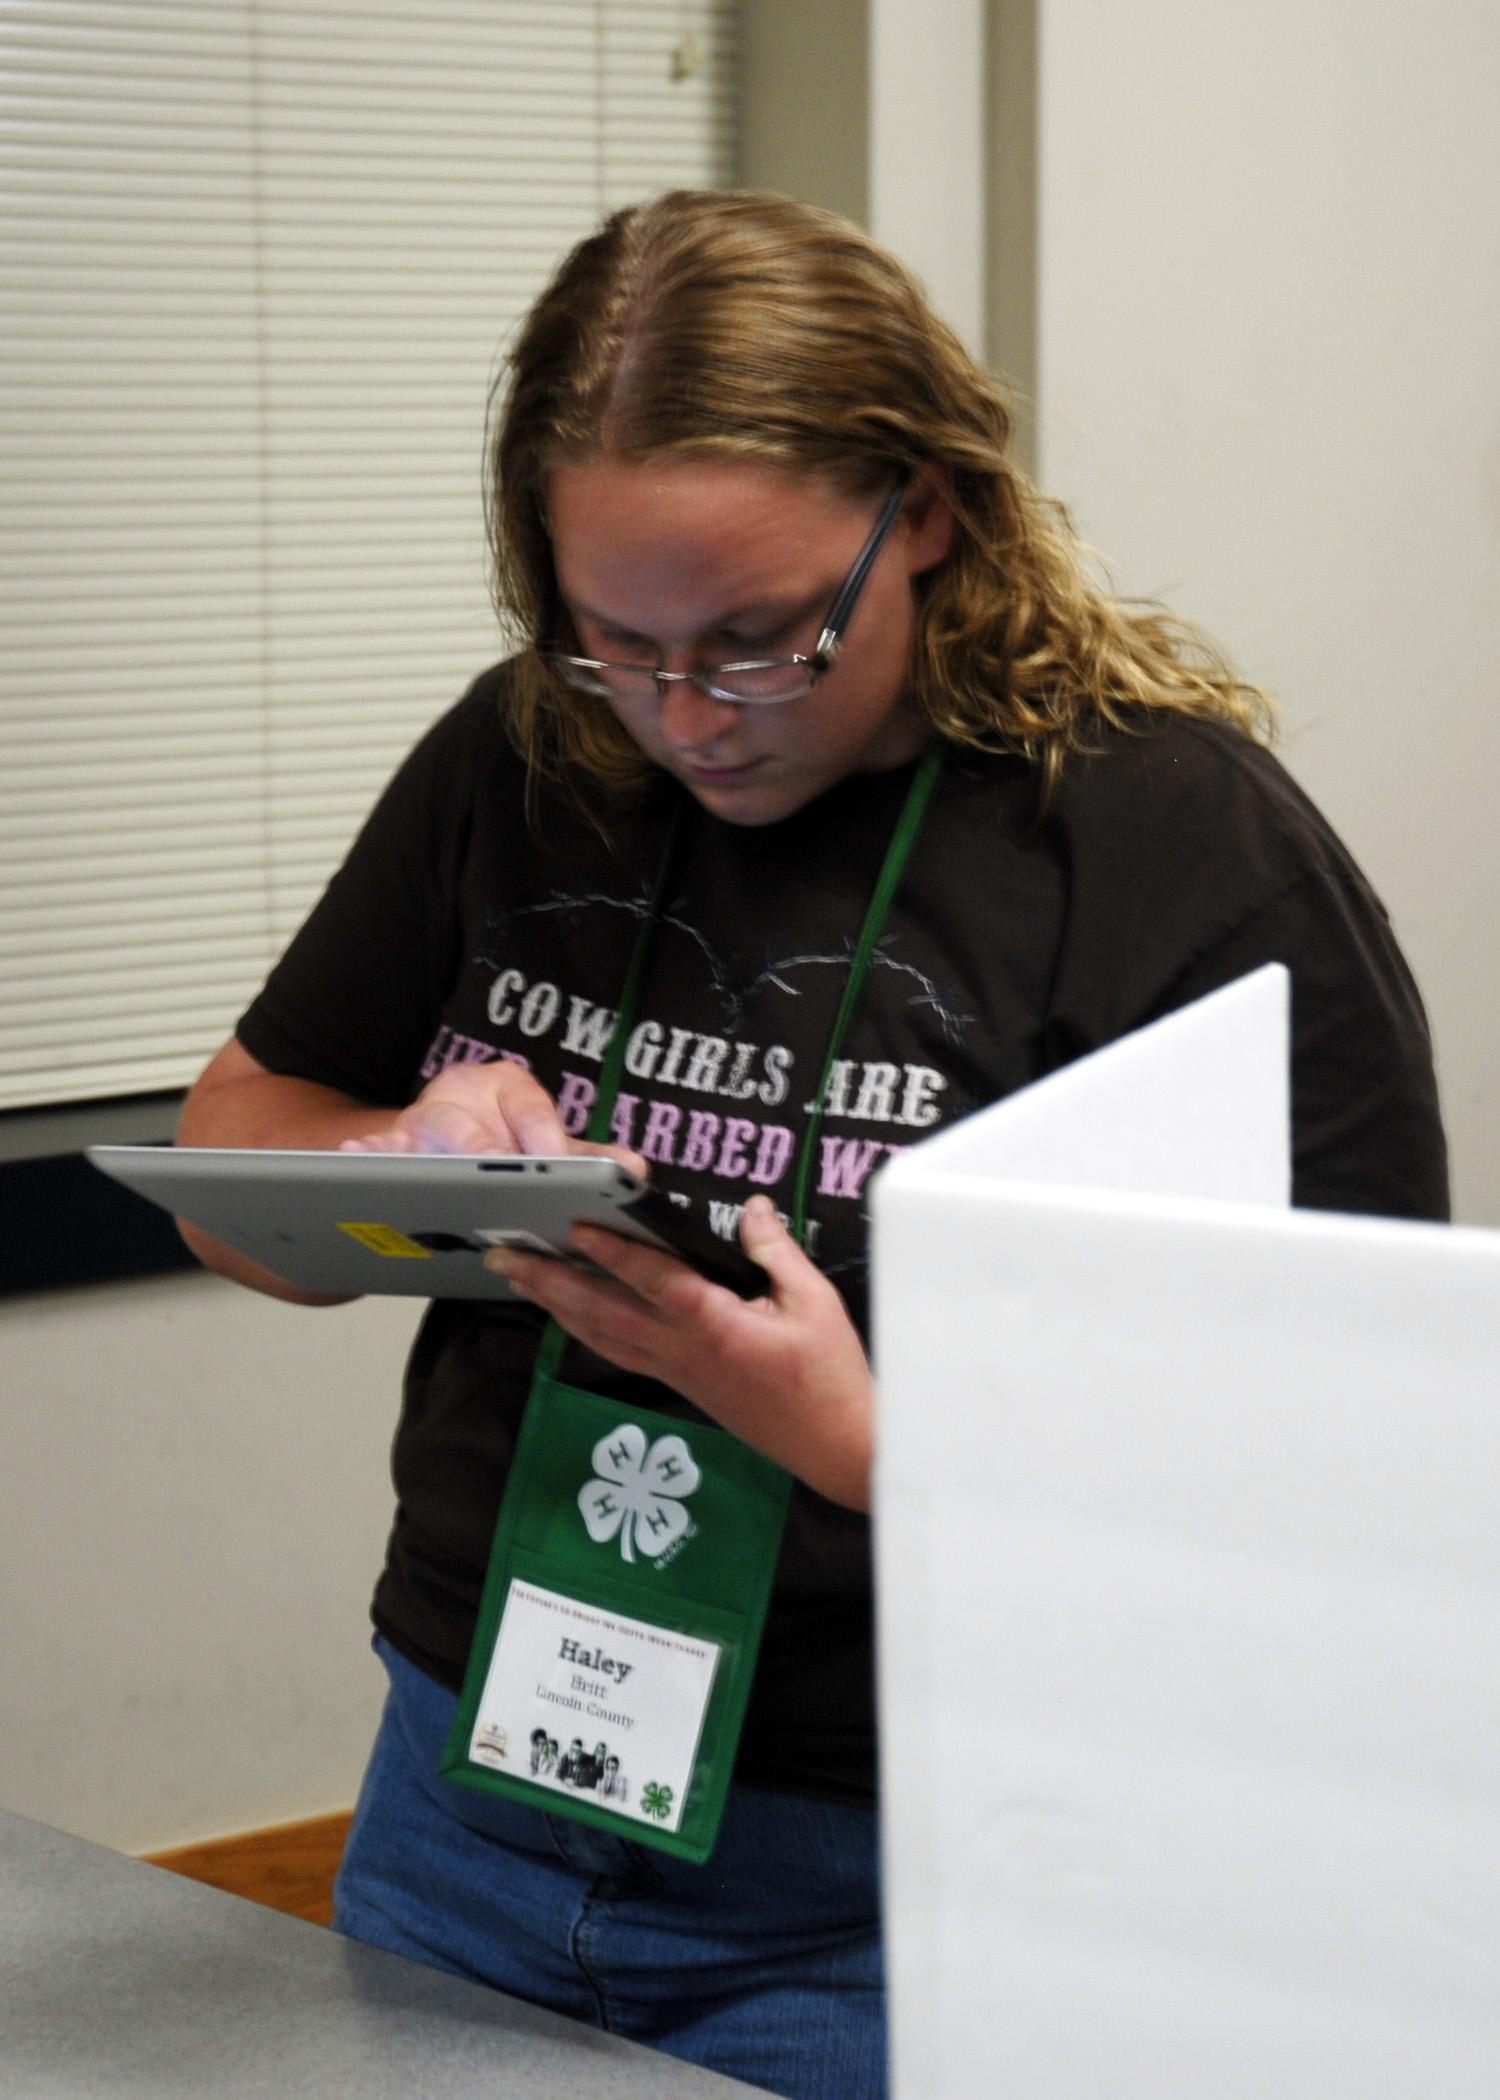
column 580, row 611
column 783, row 612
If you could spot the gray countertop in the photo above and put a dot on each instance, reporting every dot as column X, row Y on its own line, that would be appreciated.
column 117, row 1978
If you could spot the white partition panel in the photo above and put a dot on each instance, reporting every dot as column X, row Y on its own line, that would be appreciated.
column 1190, row 1639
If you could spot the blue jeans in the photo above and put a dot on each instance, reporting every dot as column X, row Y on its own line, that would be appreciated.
column 764, row 1964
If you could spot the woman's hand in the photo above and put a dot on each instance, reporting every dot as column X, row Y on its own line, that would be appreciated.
column 495, row 1107
column 785, row 1373
column 492, row 1107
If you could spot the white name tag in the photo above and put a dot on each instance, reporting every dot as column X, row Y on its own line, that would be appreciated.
column 594, row 1705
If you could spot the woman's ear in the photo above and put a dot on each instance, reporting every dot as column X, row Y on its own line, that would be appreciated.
column 927, row 518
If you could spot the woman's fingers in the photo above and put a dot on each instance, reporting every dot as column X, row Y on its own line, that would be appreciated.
column 492, row 1107
column 771, row 1247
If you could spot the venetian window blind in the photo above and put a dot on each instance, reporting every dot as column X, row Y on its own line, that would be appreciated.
column 258, row 265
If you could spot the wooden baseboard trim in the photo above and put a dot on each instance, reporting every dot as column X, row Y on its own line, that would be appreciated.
column 289, row 1867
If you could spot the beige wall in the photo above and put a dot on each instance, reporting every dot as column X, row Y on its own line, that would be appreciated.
column 1268, row 382
column 927, row 149
column 804, row 87
column 193, row 1506
column 876, row 108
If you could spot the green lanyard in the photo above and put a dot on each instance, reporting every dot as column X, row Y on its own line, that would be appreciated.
column 892, row 868
column 897, row 854
column 635, row 1553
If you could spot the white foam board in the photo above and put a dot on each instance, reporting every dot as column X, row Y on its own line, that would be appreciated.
column 1189, row 1601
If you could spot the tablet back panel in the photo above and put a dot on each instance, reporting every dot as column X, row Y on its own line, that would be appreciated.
column 403, row 1224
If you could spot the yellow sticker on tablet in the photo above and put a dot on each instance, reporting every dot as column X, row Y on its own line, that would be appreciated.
column 385, row 1239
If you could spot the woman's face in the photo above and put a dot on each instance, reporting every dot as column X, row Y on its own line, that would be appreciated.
column 685, row 564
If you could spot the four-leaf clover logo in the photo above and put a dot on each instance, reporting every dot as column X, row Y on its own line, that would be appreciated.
column 637, row 1492
column 656, row 1800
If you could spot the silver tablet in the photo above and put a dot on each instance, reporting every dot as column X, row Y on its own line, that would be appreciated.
column 409, row 1224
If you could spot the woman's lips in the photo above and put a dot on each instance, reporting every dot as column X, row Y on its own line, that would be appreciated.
column 720, row 776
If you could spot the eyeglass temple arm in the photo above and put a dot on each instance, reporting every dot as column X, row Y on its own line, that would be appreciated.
column 831, row 639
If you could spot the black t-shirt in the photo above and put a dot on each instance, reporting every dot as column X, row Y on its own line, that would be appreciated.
column 472, row 920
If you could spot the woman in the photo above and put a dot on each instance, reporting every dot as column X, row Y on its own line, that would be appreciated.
column 776, row 581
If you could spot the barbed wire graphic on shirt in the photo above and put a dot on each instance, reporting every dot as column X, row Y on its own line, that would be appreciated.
column 952, row 1024
column 733, row 1000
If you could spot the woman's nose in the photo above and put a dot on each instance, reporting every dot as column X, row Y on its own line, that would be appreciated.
column 691, row 718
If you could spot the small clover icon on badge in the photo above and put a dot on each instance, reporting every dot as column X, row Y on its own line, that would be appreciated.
column 656, row 1800
column 638, row 1491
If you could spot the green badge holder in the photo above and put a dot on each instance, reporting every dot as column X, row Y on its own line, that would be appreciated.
column 621, row 1619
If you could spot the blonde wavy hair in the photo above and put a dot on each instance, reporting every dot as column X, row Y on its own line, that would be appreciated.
column 741, row 325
